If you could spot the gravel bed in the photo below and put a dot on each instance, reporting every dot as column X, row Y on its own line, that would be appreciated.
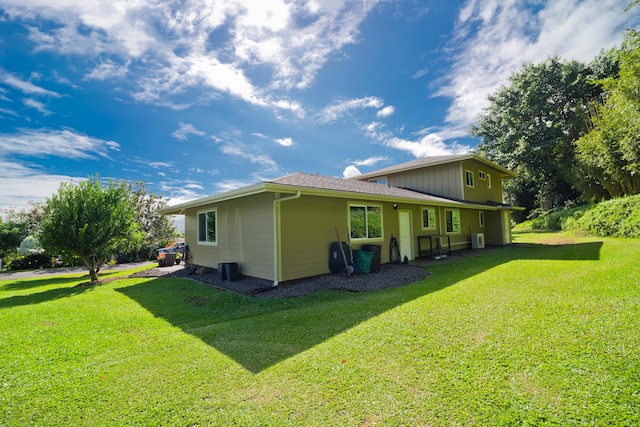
column 390, row 275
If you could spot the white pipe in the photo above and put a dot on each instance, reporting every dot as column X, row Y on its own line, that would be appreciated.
column 276, row 236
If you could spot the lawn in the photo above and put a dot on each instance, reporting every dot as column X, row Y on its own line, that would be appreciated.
column 546, row 332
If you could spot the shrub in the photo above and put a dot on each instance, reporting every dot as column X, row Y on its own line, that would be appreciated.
column 617, row 218
column 31, row 262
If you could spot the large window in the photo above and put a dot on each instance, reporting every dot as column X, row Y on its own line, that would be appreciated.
column 207, row 227
column 365, row 222
column 428, row 218
column 468, row 178
column 452, row 218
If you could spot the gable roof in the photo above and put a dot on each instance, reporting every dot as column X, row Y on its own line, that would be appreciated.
column 434, row 161
column 312, row 184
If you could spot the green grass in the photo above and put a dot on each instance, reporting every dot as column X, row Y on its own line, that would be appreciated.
column 543, row 333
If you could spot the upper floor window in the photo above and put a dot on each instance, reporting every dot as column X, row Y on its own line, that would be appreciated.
column 482, row 175
column 365, row 222
column 207, row 227
column 468, row 178
column 488, row 181
column 481, row 218
column 382, row 181
column 428, row 218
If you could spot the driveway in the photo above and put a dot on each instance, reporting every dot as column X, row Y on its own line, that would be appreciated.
column 45, row 272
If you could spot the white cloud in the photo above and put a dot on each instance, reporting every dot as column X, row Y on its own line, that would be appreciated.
column 243, row 152
column 158, row 165
column 427, row 146
column 22, row 185
column 494, row 38
column 168, row 47
column 25, row 86
column 336, row 111
column 370, row 161
column 32, row 103
column 67, row 143
column 386, row 111
column 351, row 171
column 185, row 130
column 285, row 142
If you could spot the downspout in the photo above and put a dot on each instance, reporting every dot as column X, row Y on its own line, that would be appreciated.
column 276, row 235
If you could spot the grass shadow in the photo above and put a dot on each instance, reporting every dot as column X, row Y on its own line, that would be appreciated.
column 49, row 295
column 258, row 333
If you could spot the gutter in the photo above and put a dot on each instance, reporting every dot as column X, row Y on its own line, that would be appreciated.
column 276, row 235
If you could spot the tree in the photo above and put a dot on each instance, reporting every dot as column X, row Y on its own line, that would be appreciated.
column 89, row 221
column 156, row 229
column 11, row 235
column 611, row 150
column 530, row 127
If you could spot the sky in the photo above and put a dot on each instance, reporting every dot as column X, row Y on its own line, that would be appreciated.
column 197, row 97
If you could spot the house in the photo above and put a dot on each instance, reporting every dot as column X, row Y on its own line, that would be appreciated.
column 281, row 229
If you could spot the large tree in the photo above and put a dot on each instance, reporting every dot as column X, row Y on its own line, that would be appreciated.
column 156, row 229
column 11, row 235
column 90, row 221
column 530, row 127
column 611, row 150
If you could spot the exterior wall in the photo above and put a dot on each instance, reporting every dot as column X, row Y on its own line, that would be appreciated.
column 443, row 180
column 493, row 234
column 308, row 229
column 480, row 192
column 245, row 235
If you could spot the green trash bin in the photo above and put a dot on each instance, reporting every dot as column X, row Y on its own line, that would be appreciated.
column 362, row 261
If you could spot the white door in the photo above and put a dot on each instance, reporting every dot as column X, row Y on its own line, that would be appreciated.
column 404, row 239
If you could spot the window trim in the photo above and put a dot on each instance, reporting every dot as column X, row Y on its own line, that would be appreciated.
column 482, row 175
column 446, row 225
column 204, row 242
column 366, row 207
column 430, row 226
column 469, row 174
column 488, row 180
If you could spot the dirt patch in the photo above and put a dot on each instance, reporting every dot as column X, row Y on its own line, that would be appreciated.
column 557, row 241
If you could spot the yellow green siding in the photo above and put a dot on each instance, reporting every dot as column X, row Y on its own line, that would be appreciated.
column 481, row 192
column 245, row 235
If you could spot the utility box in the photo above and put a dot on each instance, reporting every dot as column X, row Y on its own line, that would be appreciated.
column 477, row 240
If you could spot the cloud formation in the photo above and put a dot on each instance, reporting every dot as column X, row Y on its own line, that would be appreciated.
column 67, row 143
column 494, row 38
column 171, row 46
column 186, row 129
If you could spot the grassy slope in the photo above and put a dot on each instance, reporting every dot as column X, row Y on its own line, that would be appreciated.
column 545, row 333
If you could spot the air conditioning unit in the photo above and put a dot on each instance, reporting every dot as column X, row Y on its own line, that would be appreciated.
column 477, row 240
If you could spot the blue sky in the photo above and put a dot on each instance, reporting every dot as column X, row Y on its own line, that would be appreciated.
column 197, row 97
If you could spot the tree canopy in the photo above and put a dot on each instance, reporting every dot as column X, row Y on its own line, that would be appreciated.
column 11, row 234
column 90, row 221
column 611, row 149
column 571, row 131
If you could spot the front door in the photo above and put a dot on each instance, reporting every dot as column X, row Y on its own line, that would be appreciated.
column 404, row 239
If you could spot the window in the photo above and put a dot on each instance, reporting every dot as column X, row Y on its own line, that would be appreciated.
column 481, row 218
column 365, row 222
column 382, row 181
column 469, row 178
column 452, row 218
column 428, row 218
column 488, row 181
column 207, row 228
column 481, row 175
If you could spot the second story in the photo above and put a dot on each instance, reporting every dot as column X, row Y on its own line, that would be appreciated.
column 466, row 177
